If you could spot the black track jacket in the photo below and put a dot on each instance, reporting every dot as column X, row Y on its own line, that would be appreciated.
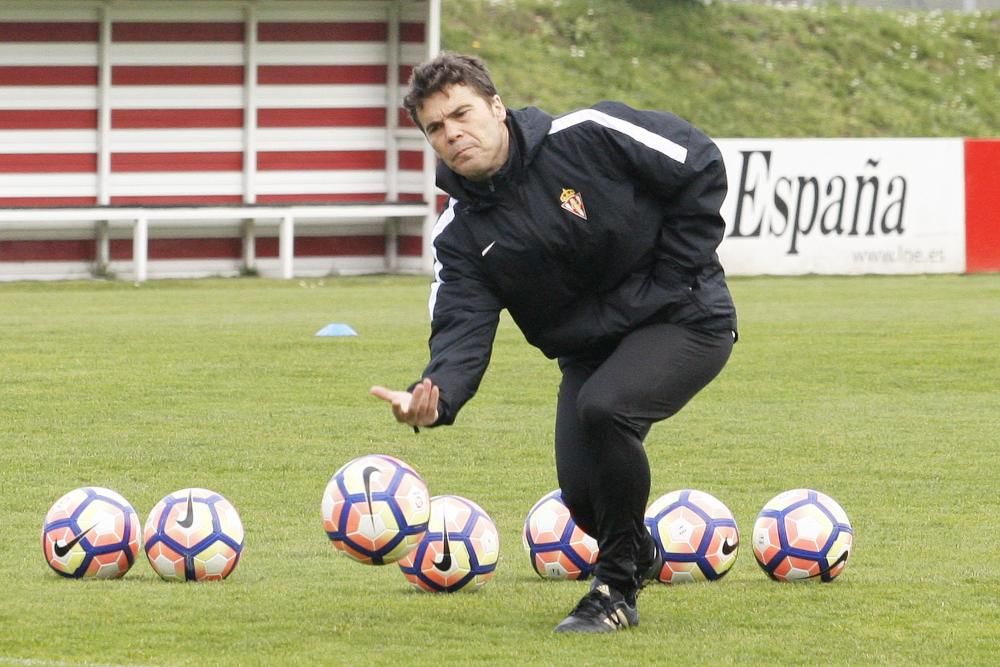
column 602, row 220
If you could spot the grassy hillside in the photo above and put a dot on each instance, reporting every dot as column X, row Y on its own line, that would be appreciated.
column 744, row 70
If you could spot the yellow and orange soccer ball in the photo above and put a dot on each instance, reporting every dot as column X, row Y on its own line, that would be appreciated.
column 802, row 535
column 375, row 509
column 696, row 535
column 193, row 535
column 458, row 552
column 91, row 533
column 557, row 547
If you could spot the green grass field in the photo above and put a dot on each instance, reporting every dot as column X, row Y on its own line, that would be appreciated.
column 881, row 391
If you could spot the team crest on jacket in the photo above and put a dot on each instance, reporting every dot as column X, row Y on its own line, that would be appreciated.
column 572, row 201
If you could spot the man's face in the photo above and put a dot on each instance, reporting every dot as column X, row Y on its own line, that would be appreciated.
column 466, row 131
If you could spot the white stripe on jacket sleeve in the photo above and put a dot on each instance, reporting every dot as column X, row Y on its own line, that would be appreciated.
column 649, row 139
column 443, row 221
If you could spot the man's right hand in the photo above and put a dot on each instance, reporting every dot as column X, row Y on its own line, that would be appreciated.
column 416, row 408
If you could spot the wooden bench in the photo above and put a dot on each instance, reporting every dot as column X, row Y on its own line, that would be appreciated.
column 141, row 218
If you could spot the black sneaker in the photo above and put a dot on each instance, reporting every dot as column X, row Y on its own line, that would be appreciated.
column 603, row 609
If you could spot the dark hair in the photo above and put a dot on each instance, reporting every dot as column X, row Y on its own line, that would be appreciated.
column 447, row 69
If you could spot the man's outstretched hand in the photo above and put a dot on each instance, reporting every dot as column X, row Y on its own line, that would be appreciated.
column 416, row 408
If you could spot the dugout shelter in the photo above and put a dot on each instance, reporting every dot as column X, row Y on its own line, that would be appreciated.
column 182, row 138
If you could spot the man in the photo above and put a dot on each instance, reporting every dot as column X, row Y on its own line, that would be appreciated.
column 597, row 231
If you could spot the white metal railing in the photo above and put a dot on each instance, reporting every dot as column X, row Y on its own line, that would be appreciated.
column 141, row 218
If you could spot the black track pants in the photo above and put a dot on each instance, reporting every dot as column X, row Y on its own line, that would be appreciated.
column 607, row 403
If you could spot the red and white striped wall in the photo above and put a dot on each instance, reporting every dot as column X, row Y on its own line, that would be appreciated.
column 200, row 102
column 216, row 103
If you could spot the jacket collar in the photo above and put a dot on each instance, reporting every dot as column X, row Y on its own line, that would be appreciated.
column 528, row 128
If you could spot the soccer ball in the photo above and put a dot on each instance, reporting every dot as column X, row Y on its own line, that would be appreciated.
column 193, row 535
column 458, row 552
column 375, row 509
column 557, row 547
column 696, row 534
column 91, row 533
column 802, row 534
